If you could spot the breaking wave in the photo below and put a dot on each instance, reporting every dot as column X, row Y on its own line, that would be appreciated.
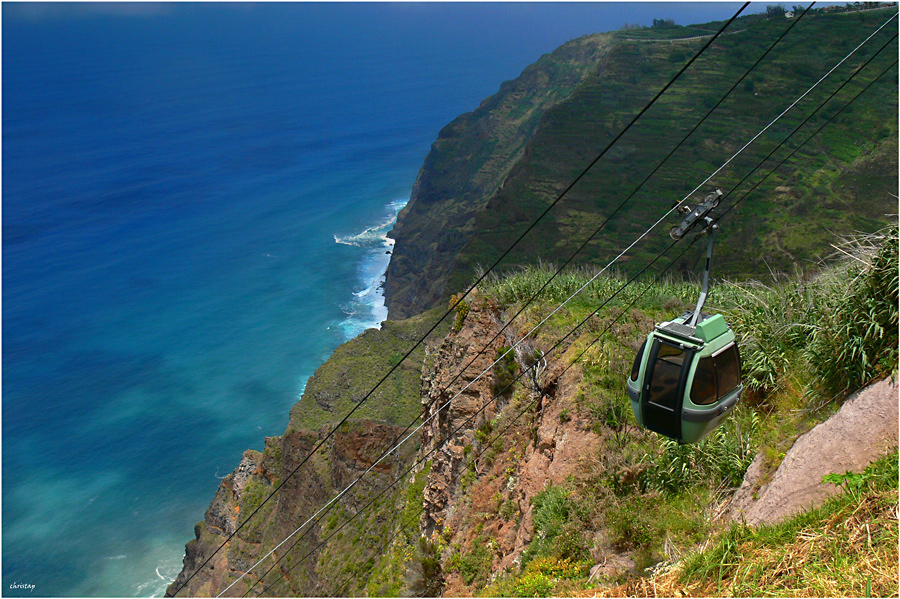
column 366, row 309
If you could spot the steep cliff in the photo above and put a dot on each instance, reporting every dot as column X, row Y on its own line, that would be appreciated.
column 467, row 164
column 528, row 475
column 306, row 484
column 497, row 451
column 493, row 171
column 531, row 478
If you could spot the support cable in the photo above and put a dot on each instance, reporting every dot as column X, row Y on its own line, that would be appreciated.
column 566, row 301
column 622, row 204
column 686, row 249
column 460, row 299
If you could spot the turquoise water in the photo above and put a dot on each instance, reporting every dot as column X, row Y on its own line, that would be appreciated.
column 195, row 198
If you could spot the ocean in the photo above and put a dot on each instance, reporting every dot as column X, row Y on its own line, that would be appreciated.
column 195, row 199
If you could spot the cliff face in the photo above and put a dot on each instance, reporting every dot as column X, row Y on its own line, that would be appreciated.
column 307, row 566
column 493, row 171
column 496, row 454
column 465, row 167
column 351, row 451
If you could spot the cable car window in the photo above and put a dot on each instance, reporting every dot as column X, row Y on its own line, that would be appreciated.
column 636, row 368
column 728, row 368
column 666, row 375
column 703, row 391
column 666, row 350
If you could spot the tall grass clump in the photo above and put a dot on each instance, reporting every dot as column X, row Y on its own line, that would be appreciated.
column 516, row 287
column 519, row 286
column 771, row 323
column 720, row 460
column 839, row 326
column 855, row 340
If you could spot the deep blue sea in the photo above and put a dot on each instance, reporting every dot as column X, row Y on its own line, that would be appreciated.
column 194, row 203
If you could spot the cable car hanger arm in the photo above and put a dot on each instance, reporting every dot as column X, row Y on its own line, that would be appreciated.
column 711, row 229
column 691, row 219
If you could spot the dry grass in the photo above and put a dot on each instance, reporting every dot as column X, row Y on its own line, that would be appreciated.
column 851, row 552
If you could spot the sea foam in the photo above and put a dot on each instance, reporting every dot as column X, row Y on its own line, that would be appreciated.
column 366, row 308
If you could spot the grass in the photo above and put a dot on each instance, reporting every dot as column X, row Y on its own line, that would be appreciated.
column 650, row 497
column 845, row 548
column 354, row 369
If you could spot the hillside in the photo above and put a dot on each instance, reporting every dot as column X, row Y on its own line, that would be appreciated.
column 536, row 480
column 493, row 171
column 524, row 473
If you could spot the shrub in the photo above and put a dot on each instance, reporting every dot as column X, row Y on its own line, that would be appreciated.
column 856, row 339
column 504, row 370
column 539, row 578
column 721, row 459
column 550, row 513
column 629, row 526
column 475, row 565
column 462, row 310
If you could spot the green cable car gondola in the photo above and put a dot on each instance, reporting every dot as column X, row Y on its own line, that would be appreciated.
column 686, row 377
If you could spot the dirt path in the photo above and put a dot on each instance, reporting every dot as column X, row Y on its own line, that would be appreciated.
column 863, row 429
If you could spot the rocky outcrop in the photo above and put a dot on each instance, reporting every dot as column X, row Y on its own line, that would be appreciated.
column 864, row 428
column 308, row 485
column 222, row 514
column 493, row 453
column 458, row 400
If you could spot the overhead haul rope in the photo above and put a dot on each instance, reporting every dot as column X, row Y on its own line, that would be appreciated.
column 572, row 296
column 460, row 299
column 686, row 249
column 567, row 300
column 478, row 412
column 621, row 205
column 487, row 444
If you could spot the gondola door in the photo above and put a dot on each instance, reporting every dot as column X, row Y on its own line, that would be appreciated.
column 664, row 388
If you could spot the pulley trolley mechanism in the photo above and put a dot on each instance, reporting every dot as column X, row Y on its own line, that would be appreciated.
column 686, row 377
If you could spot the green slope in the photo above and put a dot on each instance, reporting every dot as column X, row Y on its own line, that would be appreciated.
column 838, row 183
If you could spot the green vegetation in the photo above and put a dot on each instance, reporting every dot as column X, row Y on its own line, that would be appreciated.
column 649, row 495
column 388, row 574
column 462, row 310
column 842, row 323
column 467, row 163
column 847, row 547
column 473, row 565
column 357, row 366
column 504, row 370
column 542, row 577
column 838, row 183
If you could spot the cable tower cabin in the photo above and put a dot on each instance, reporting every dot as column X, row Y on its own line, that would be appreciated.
column 686, row 377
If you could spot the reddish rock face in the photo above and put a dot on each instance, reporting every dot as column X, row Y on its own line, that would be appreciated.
column 352, row 450
column 864, row 427
column 538, row 449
